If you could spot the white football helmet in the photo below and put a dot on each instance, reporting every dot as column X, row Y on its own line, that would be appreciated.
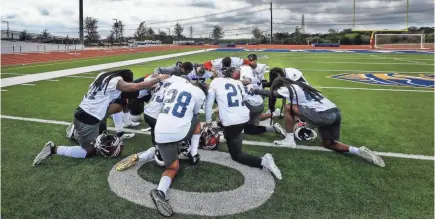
column 303, row 132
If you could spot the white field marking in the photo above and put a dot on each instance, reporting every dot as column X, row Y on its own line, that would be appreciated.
column 53, row 80
column 362, row 71
column 85, row 77
column 28, row 84
column 67, row 72
column 400, row 59
column 368, row 89
column 256, row 143
column 362, row 63
column 4, row 90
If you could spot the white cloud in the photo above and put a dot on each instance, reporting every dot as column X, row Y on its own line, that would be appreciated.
column 61, row 17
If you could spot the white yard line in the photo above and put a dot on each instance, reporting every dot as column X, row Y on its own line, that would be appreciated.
column 28, row 84
column 399, row 59
column 4, row 90
column 53, row 80
column 361, row 63
column 67, row 72
column 256, row 143
column 368, row 89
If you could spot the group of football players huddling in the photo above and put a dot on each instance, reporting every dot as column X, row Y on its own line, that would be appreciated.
column 171, row 99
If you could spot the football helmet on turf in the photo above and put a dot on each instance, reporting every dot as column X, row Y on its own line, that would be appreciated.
column 210, row 138
column 303, row 132
column 108, row 145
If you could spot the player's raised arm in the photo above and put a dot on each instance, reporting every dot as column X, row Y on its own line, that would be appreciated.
column 209, row 104
column 133, row 87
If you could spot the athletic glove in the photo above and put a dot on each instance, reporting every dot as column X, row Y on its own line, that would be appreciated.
column 194, row 160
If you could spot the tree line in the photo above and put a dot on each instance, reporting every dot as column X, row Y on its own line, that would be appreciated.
column 143, row 32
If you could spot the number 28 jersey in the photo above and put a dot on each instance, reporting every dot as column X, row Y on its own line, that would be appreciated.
column 229, row 94
column 182, row 102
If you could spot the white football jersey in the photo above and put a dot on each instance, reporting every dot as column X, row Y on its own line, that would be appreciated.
column 246, row 72
column 192, row 75
column 306, row 100
column 96, row 101
column 229, row 94
column 236, row 62
column 155, row 105
column 182, row 101
column 259, row 74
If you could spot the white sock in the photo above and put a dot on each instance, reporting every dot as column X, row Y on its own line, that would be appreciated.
column 74, row 152
column 353, row 150
column 117, row 120
column 194, row 143
column 164, row 184
column 148, row 154
column 127, row 116
column 270, row 129
column 290, row 136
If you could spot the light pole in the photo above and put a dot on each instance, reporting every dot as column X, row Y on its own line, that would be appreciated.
column 116, row 27
column 7, row 30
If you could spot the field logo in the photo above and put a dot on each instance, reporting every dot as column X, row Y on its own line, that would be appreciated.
column 390, row 79
column 257, row 188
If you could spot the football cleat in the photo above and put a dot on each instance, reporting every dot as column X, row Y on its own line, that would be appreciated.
column 371, row 157
column 45, row 153
column 127, row 162
column 271, row 166
column 158, row 158
column 71, row 132
column 287, row 142
column 123, row 135
column 279, row 130
column 130, row 123
column 161, row 203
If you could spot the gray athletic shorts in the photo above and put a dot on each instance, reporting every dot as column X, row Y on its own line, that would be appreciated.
column 328, row 122
column 169, row 151
column 86, row 134
column 254, row 113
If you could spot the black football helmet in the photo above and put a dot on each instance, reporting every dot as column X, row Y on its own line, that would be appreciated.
column 108, row 145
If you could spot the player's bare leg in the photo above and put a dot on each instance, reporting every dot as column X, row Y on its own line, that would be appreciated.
column 289, row 140
column 159, row 195
column 363, row 152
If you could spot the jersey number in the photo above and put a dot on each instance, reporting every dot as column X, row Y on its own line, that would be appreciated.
column 233, row 93
column 158, row 98
column 180, row 103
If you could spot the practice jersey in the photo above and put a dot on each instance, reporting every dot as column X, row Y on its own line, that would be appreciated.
column 246, row 72
column 259, row 74
column 182, row 101
column 155, row 105
column 306, row 100
column 96, row 101
column 229, row 94
column 236, row 62
column 193, row 76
